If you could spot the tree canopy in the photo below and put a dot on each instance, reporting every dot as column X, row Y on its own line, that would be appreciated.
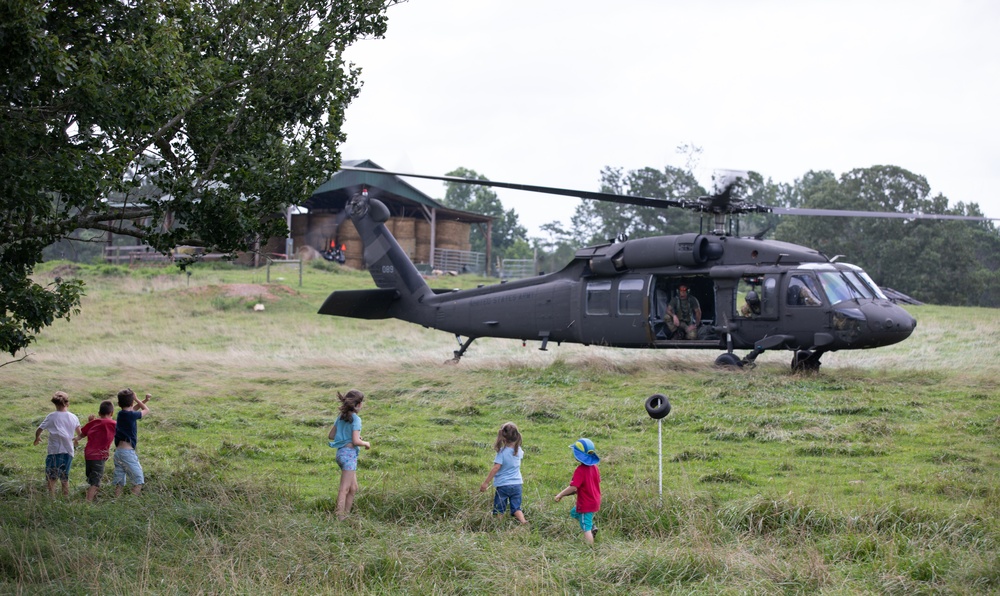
column 174, row 121
column 509, row 237
column 599, row 221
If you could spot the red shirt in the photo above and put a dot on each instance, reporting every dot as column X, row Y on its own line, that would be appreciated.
column 99, row 432
column 587, row 480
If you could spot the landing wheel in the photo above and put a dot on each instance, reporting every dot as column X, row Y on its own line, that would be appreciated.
column 805, row 361
column 728, row 360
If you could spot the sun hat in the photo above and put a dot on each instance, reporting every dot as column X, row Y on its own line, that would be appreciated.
column 584, row 452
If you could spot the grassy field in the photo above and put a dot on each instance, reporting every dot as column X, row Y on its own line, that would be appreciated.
column 879, row 475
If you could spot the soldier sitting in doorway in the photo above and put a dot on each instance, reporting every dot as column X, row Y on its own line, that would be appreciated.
column 683, row 315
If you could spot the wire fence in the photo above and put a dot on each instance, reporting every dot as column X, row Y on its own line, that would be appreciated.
column 459, row 261
column 517, row 268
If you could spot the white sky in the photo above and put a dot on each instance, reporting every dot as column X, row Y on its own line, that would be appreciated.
column 548, row 92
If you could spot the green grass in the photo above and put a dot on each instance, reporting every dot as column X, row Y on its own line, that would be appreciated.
column 879, row 475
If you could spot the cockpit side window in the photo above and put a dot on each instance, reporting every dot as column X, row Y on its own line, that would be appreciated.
column 803, row 291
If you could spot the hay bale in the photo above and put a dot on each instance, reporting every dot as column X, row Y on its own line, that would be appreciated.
column 452, row 232
column 405, row 229
column 422, row 250
column 307, row 253
column 348, row 232
column 354, row 249
column 300, row 224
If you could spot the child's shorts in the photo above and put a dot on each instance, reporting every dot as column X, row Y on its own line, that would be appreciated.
column 95, row 471
column 586, row 519
column 127, row 466
column 510, row 493
column 57, row 466
column 347, row 458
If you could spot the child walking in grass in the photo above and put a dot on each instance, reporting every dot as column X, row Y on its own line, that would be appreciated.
column 127, row 466
column 62, row 426
column 506, row 472
column 586, row 484
column 100, row 431
column 345, row 437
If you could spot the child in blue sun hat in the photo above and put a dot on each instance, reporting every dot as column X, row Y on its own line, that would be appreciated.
column 586, row 485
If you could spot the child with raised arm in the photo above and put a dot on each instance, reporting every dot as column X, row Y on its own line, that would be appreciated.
column 127, row 465
column 345, row 437
column 62, row 426
column 586, row 484
column 506, row 472
column 100, row 431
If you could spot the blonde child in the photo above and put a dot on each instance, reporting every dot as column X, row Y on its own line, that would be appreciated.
column 586, row 485
column 506, row 472
column 345, row 437
column 62, row 425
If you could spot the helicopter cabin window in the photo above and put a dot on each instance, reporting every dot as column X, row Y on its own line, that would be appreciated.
column 803, row 291
column 757, row 297
column 599, row 298
column 630, row 296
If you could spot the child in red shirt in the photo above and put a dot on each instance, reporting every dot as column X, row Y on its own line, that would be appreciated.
column 100, row 432
column 586, row 484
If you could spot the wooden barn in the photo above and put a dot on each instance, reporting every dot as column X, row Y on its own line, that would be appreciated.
column 433, row 236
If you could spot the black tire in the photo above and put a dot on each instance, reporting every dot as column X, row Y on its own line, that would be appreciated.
column 800, row 361
column 728, row 359
column 657, row 406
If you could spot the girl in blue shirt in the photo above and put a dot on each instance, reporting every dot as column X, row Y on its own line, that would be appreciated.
column 345, row 437
column 506, row 472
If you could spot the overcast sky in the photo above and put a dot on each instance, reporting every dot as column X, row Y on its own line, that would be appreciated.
column 549, row 92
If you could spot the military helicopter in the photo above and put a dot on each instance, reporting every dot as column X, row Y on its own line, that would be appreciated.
column 749, row 293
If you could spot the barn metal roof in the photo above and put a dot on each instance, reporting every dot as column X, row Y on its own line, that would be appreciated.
column 400, row 197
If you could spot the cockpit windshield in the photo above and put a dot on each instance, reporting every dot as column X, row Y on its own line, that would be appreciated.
column 848, row 285
column 872, row 285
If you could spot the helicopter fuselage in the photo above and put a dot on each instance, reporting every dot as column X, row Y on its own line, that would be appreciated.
column 624, row 294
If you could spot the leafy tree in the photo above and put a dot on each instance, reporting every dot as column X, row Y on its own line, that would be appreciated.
column 508, row 235
column 172, row 121
column 599, row 221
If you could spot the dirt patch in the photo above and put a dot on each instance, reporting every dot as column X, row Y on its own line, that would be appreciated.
column 265, row 293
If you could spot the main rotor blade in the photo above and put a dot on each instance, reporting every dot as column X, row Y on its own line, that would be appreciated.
column 881, row 214
column 581, row 194
column 713, row 204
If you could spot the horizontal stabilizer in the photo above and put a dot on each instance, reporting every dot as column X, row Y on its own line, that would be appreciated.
column 360, row 304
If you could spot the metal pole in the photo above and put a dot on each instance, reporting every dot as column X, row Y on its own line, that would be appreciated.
column 659, row 429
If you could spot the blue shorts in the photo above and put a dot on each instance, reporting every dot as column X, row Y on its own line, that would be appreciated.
column 127, row 467
column 510, row 493
column 57, row 466
column 586, row 519
column 347, row 458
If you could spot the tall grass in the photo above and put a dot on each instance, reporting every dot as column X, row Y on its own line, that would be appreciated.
column 879, row 475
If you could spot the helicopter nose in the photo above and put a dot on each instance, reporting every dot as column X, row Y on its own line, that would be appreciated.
column 894, row 324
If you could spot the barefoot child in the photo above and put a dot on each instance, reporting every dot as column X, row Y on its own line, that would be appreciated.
column 586, row 484
column 100, row 431
column 62, row 426
column 506, row 472
column 345, row 437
